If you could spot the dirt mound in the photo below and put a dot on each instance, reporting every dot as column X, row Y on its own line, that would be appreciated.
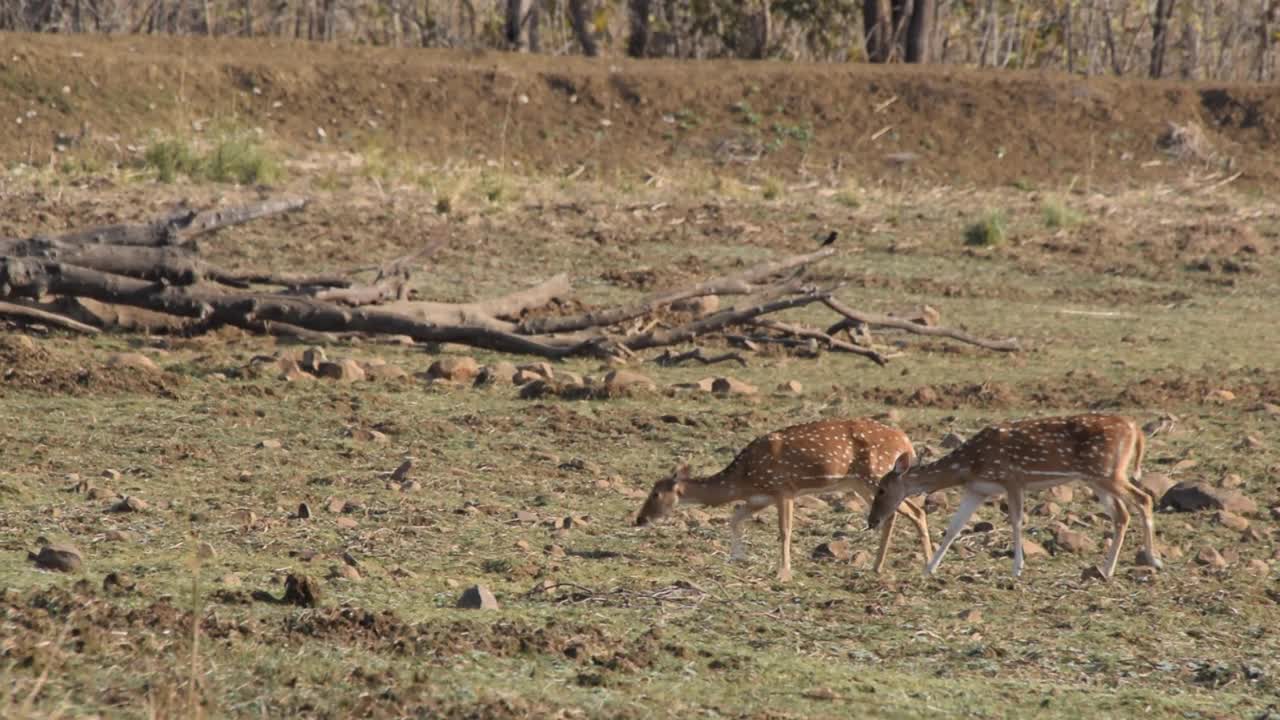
column 948, row 397
column 27, row 367
column 938, row 124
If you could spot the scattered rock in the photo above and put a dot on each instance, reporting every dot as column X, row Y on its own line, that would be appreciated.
column 477, row 597
column 524, row 377
column 116, row 583
column 699, row 306
column 1046, row 509
column 60, row 557
column 1271, row 409
column 1275, row 512
column 1259, row 568
column 112, row 475
column 1031, row 548
column 1232, row 481
column 365, row 435
column 935, row 502
column 384, row 372
column 627, row 381
column 1195, row 496
column 344, row 572
column 301, row 590
column 118, row 536
column 972, row 616
column 1228, row 519
column 834, row 550
column 304, row 512
column 500, row 373
column 346, row 523
column 541, row 369
column 1070, row 540
column 524, row 516
column 1062, row 493
column 134, row 361
column 1210, row 557
column 128, row 503
column 1093, row 572
column 703, row 385
column 345, row 370
column 1252, row 535
column 270, row 444
column 1157, row 483
column 244, row 517
column 951, row 441
column 924, row 396
column 732, row 386
column 522, row 545
column 791, row 387
column 459, row 369
column 982, row 526
column 312, row 359
column 701, row 517
column 1222, row 395
column 97, row 493
column 231, row 580
column 336, row 505
column 861, row 559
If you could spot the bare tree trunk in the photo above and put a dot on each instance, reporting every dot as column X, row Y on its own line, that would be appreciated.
column 1262, row 69
column 638, row 42
column 246, row 22
column 877, row 23
column 1159, row 35
column 919, row 32
column 761, row 49
column 580, row 19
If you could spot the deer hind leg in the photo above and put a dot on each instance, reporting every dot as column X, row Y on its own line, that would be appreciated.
column 969, row 504
column 1146, row 506
column 786, row 507
column 1119, row 519
column 740, row 514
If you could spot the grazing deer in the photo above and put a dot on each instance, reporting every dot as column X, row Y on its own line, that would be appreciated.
column 1032, row 455
column 816, row 457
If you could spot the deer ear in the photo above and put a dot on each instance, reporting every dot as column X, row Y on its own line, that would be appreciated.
column 902, row 464
column 682, row 472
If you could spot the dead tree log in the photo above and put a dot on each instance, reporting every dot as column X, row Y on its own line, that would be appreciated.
column 26, row 312
column 34, row 278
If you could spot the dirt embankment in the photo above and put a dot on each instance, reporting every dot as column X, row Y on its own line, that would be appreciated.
column 943, row 125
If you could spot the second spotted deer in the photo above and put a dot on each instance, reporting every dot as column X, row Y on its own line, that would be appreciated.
column 774, row 469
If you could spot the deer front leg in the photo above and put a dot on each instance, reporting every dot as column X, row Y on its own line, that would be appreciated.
column 886, row 533
column 1015, row 520
column 785, row 507
column 969, row 504
column 740, row 515
column 1120, row 521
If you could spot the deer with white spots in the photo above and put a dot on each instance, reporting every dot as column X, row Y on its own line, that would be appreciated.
column 1015, row 457
column 817, row 457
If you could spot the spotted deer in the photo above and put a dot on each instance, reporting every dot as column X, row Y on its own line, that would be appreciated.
column 1015, row 457
column 817, row 457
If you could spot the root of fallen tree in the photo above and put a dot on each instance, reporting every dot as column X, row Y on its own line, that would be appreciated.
column 150, row 277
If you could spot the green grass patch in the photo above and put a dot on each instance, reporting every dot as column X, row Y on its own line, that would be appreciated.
column 1057, row 214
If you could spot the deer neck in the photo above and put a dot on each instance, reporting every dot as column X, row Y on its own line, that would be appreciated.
column 935, row 476
column 718, row 489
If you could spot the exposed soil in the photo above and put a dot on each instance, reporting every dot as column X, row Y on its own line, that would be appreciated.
column 944, row 125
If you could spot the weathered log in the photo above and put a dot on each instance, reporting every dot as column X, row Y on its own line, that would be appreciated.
column 830, row 342
column 27, row 312
column 485, row 313
column 718, row 321
column 33, row 278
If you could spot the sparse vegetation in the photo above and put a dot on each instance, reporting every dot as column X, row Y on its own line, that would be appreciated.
column 986, row 231
column 1057, row 214
column 235, row 157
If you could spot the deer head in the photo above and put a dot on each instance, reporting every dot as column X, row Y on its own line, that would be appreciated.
column 664, row 496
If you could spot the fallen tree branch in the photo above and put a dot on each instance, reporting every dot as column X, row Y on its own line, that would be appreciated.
column 725, row 318
column 177, row 228
column 738, row 284
column 29, row 313
column 811, row 334
column 1009, row 345
column 667, row 359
